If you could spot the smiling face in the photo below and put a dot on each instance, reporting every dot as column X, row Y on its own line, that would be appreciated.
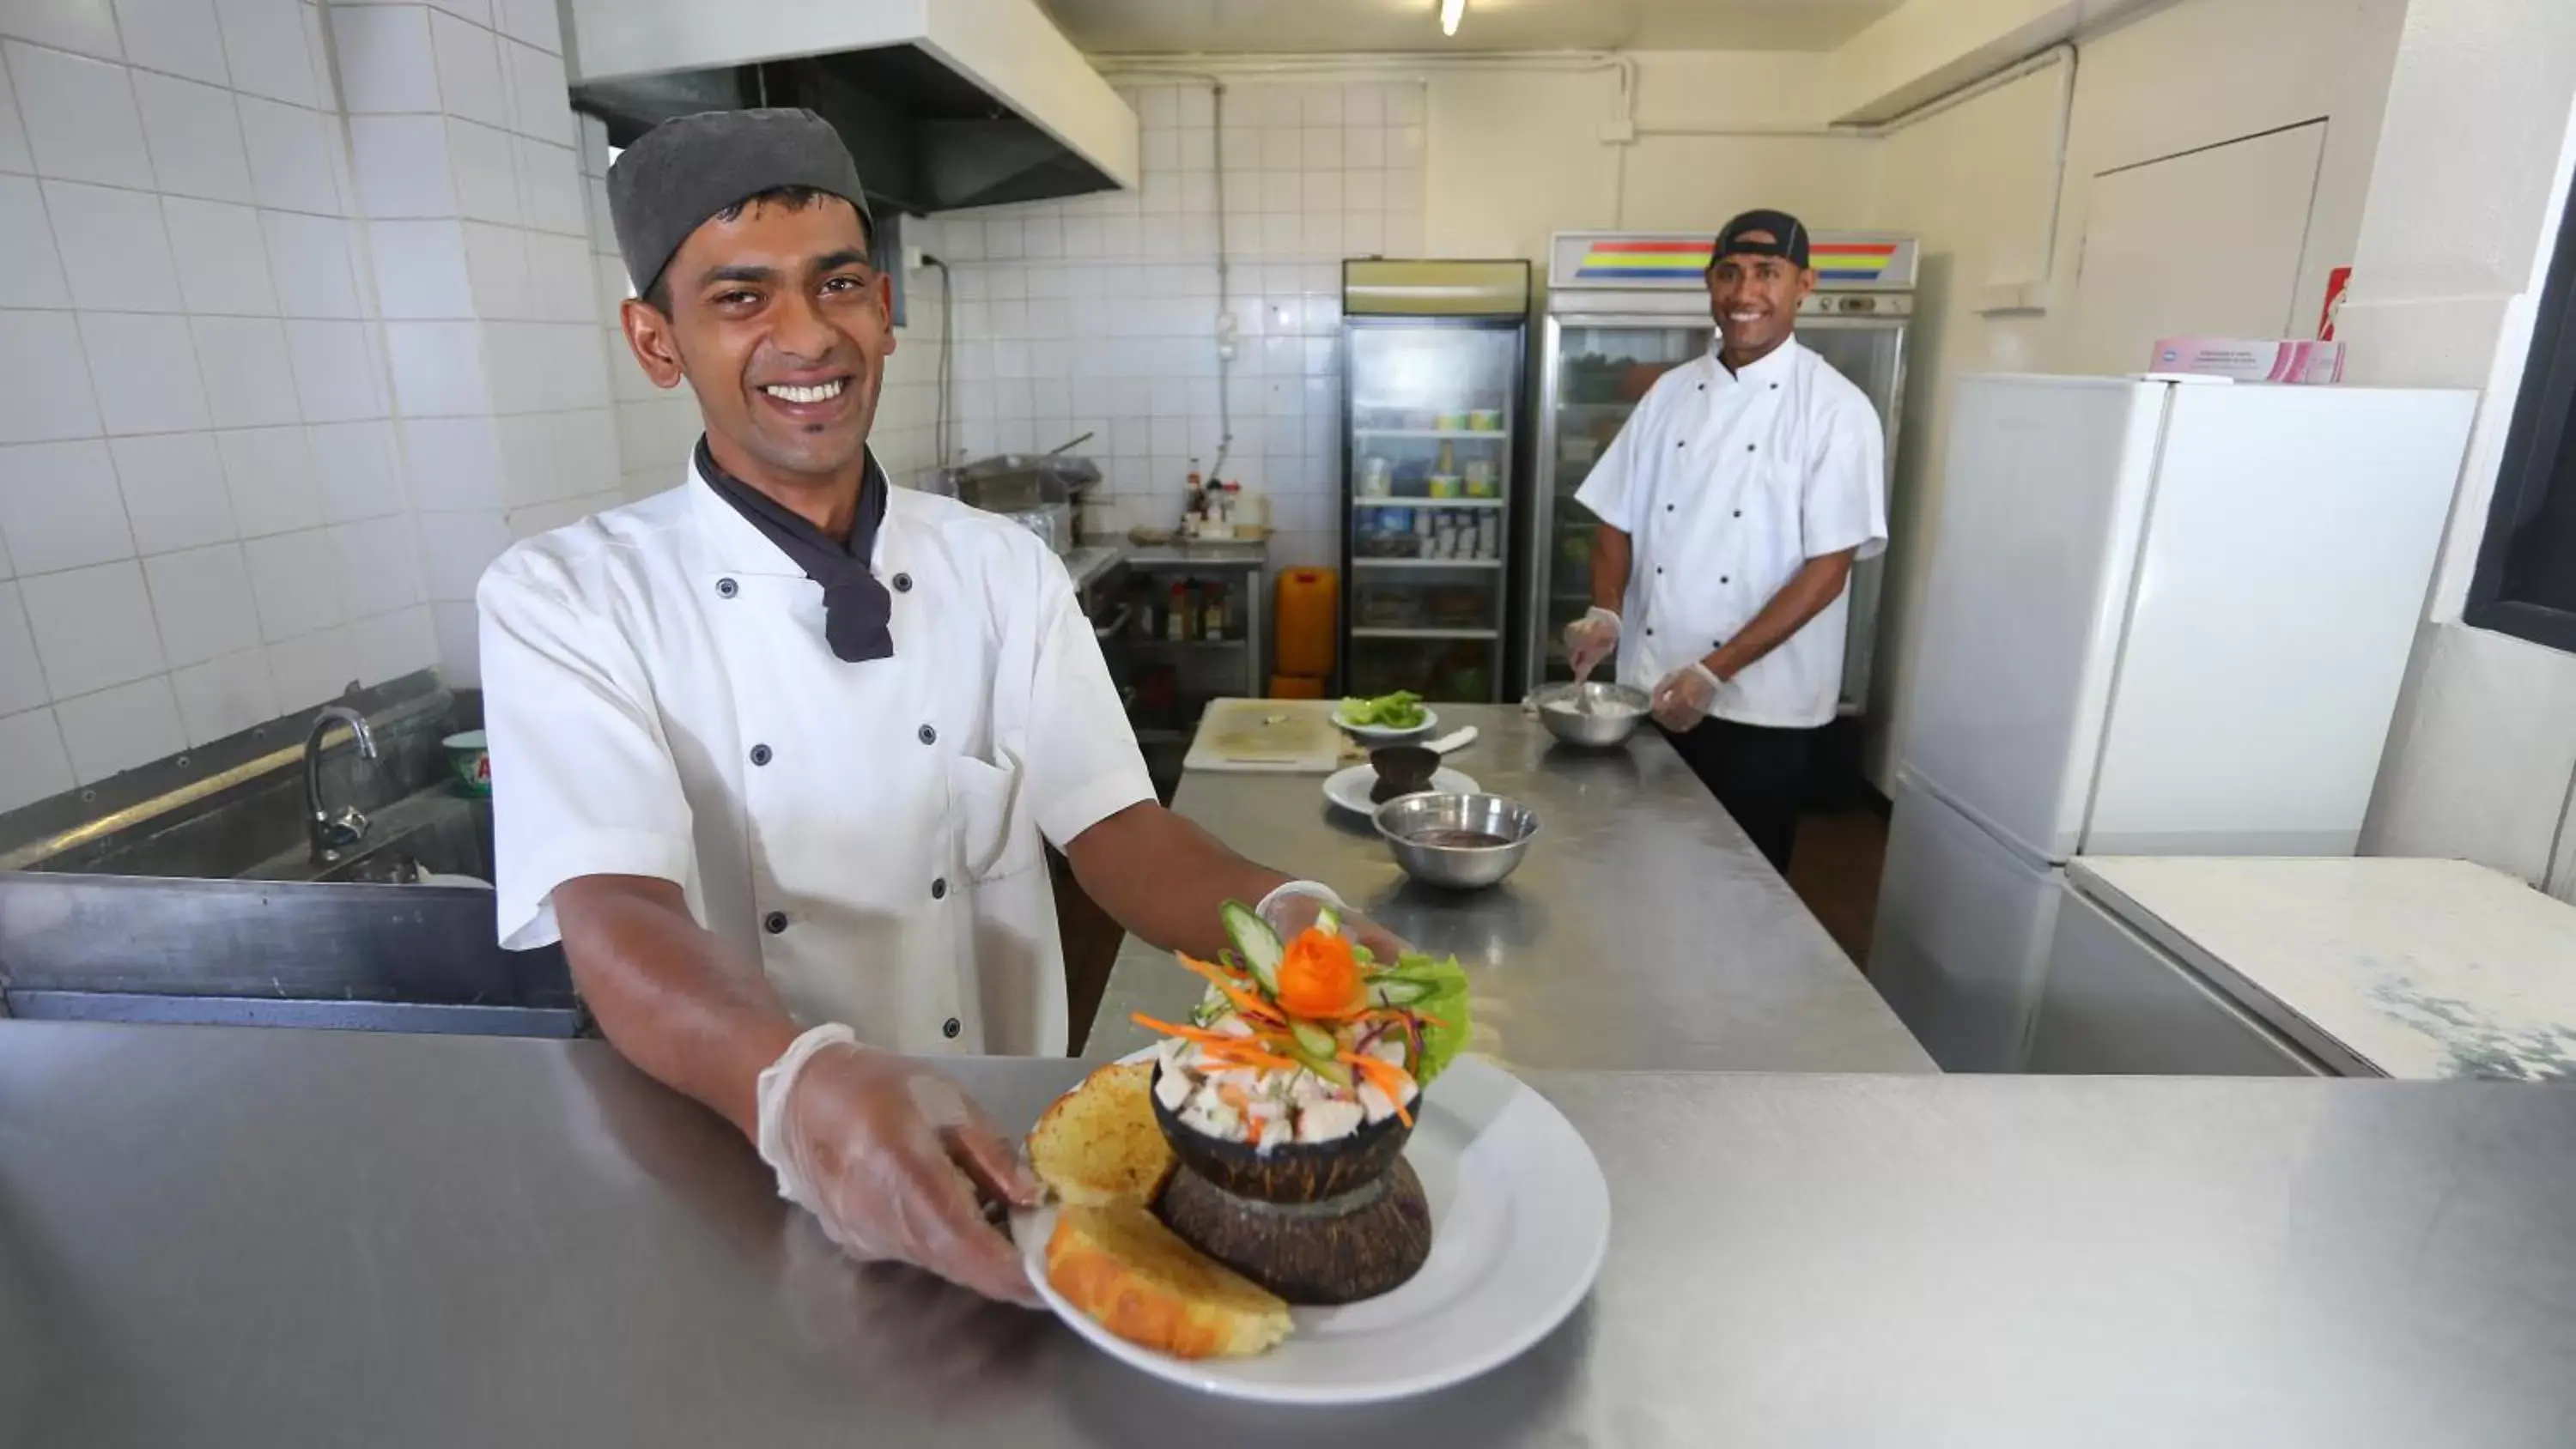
column 1754, row 300
column 781, row 325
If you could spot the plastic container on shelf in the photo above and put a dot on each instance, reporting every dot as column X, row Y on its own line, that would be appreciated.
column 1308, row 599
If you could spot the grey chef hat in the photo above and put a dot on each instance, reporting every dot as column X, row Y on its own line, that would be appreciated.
column 687, row 169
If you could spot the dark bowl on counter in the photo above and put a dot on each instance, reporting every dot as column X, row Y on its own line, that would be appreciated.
column 1292, row 1172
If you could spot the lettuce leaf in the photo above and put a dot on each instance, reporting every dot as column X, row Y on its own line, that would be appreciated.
column 1448, row 1002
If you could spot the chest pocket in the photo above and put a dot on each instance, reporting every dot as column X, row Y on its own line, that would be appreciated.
column 995, row 835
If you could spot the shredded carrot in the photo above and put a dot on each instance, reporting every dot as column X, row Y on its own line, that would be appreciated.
column 1201, row 1035
column 1388, row 1078
column 1246, row 1055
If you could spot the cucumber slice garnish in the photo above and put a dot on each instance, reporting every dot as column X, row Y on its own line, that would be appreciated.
column 1328, row 921
column 1259, row 944
column 1396, row 991
column 1321, row 1064
column 1314, row 1039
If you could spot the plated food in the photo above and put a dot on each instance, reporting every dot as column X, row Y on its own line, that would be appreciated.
column 1386, row 717
column 1282, row 1106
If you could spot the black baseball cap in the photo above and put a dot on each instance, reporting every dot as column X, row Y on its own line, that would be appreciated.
column 1763, row 234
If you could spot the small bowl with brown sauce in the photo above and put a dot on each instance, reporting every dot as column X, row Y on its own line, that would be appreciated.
column 1463, row 842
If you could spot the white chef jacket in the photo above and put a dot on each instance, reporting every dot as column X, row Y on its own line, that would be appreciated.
column 1726, row 484
column 660, row 702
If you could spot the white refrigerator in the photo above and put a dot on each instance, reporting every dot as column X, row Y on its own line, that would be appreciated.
column 2163, row 617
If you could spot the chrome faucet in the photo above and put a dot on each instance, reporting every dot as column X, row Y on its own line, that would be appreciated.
column 333, row 832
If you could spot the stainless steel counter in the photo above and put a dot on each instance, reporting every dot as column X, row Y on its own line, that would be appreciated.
column 224, row 1237
column 1643, row 931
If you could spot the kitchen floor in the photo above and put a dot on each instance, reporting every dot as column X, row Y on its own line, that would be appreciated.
column 1835, row 870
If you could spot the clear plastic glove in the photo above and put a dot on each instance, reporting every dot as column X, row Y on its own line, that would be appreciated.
column 1292, row 908
column 1684, row 697
column 889, row 1156
column 1589, row 640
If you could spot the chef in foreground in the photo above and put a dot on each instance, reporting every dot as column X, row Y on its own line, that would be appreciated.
column 777, row 752
column 1732, row 506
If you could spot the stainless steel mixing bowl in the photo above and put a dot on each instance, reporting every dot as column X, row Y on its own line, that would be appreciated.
column 1415, row 827
column 1597, row 714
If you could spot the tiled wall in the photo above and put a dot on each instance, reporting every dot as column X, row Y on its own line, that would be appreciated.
column 1100, row 313
column 200, row 495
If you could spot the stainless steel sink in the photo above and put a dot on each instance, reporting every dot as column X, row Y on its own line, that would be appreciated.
column 202, row 903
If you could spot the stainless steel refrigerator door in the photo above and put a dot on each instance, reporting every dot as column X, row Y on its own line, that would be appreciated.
column 1872, row 355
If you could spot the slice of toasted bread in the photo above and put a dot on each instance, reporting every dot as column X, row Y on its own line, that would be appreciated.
column 1131, row 1275
column 1099, row 1142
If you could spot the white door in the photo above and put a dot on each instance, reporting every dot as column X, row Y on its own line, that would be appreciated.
column 2206, row 243
column 2043, row 496
column 2277, row 595
column 1961, row 946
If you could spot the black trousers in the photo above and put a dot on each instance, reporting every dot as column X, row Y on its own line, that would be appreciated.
column 1758, row 773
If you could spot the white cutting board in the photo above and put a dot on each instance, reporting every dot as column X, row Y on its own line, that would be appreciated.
column 1270, row 736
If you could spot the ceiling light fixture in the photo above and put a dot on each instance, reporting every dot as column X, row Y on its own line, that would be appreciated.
column 1450, row 10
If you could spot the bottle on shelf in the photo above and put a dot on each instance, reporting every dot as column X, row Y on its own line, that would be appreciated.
column 1176, row 614
column 1212, row 625
column 1448, row 458
column 1193, row 502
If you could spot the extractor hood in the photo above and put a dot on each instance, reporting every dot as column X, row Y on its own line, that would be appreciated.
column 944, row 103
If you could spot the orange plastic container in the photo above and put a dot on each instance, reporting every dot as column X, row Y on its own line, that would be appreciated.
column 1307, row 601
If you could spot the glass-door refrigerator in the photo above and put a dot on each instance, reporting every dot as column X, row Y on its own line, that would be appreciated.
column 1431, row 368
column 1625, row 308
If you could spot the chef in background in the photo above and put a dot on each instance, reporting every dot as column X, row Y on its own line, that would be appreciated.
column 1732, row 507
column 776, row 753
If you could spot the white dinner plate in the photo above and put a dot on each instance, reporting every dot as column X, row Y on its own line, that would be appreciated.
column 1386, row 734
column 1520, row 1220
column 1349, row 789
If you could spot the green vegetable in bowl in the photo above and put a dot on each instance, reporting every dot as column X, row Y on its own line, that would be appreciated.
column 1401, row 710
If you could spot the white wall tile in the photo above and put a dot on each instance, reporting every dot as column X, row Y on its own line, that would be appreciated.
column 145, row 371
column 454, row 464
column 496, row 269
column 309, row 260
column 532, row 21
column 560, row 280
column 115, row 250
column 88, row 26
column 194, row 134
column 59, row 506
column 386, row 64
column 264, row 48
column 14, row 155
column 420, row 270
column 173, row 485
column 31, row 272
column 515, row 360
column 469, row 71
column 540, row 101
column 455, row 549
column 44, row 385
column 400, row 164
column 202, row 598
column 223, row 266
column 249, row 382
column 22, row 679
column 550, row 187
column 296, row 582
column 356, row 468
column 393, row 644
column 178, row 36
column 379, row 567
column 93, row 627
column 313, row 667
column 80, row 117
column 268, row 475
column 485, row 178
column 337, row 376
column 225, row 696
column 292, row 165
column 438, row 368
column 118, row 729
column 33, row 764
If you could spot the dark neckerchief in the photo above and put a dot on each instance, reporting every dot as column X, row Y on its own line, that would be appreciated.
column 856, row 608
